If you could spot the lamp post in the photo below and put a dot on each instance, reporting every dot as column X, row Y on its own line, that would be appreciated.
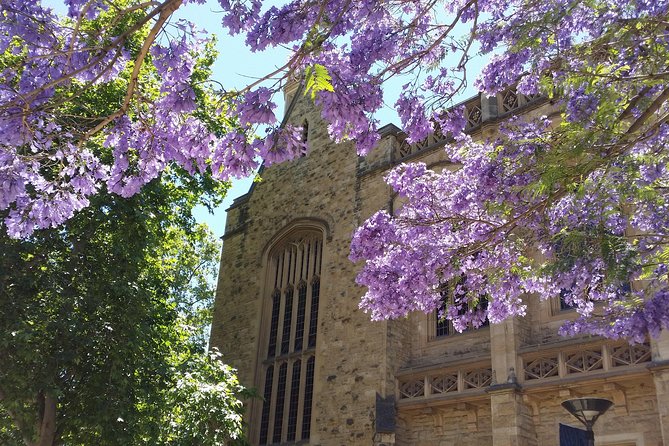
column 587, row 410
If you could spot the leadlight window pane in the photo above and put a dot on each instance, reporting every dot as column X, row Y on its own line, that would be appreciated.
column 483, row 304
column 443, row 326
column 564, row 294
column 280, row 398
column 305, row 131
column 308, row 397
column 287, row 315
column 299, row 322
column 313, row 321
column 274, row 326
column 267, row 404
column 294, row 399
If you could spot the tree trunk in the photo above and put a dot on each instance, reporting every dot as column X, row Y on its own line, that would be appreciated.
column 47, row 430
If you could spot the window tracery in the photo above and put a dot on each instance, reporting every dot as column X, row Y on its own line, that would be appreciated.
column 294, row 268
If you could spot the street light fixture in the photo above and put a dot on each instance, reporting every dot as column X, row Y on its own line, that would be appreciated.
column 587, row 410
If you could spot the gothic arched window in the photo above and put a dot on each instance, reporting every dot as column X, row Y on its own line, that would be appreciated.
column 292, row 303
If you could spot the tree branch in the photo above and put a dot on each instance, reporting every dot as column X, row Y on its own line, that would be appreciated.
column 168, row 9
column 652, row 108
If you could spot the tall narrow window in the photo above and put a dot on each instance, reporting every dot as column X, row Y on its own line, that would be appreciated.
column 276, row 302
column 299, row 322
column 294, row 272
column 313, row 320
column 264, row 422
column 308, row 397
column 294, row 400
column 443, row 327
column 305, row 137
column 280, row 400
column 287, row 315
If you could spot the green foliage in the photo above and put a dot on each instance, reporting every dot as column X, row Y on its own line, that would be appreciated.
column 206, row 409
column 99, row 315
column 317, row 79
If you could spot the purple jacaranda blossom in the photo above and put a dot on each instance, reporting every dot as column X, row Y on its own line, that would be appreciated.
column 581, row 105
column 256, row 107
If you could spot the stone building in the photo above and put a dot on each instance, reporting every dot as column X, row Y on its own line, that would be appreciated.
column 287, row 317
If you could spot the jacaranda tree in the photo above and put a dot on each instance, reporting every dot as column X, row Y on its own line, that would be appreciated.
column 586, row 190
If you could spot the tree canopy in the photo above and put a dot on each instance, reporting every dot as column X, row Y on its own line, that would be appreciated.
column 588, row 189
column 99, row 328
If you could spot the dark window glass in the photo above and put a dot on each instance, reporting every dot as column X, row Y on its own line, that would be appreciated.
column 280, row 398
column 443, row 324
column 274, row 325
column 313, row 322
column 299, row 322
column 564, row 294
column 308, row 397
column 305, row 131
column 294, row 399
column 287, row 315
column 267, row 404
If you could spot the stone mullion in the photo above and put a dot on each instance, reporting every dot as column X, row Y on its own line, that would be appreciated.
column 297, row 261
column 302, row 255
column 319, row 257
column 301, row 277
column 309, row 260
column 295, row 255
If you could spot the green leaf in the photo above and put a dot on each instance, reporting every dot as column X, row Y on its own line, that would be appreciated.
column 317, row 79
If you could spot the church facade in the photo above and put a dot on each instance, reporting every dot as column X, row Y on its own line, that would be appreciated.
column 287, row 317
